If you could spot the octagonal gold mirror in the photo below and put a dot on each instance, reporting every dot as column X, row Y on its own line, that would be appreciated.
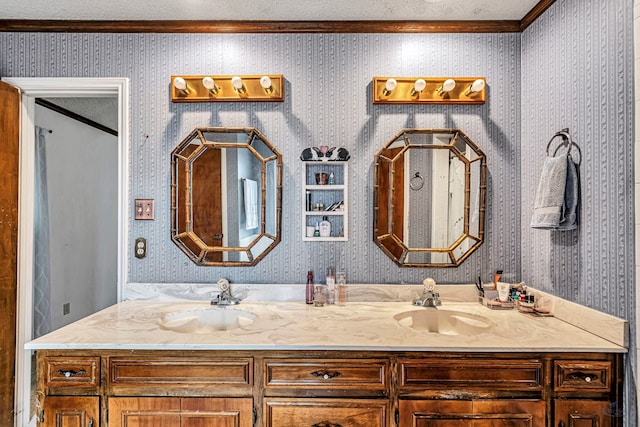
column 429, row 197
column 226, row 192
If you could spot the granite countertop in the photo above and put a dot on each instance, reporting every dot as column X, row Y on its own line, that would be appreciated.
column 279, row 325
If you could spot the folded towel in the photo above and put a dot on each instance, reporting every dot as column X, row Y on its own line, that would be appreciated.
column 547, row 212
column 569, row 219
column 251, row 204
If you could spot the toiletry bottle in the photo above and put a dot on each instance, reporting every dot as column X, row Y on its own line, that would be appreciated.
column 332, row 179
column 308, row 200
column 331, row 285
column 309, row 288
column 316, row 232
column 325, row 227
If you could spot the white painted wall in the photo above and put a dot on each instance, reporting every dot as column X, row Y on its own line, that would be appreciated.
column 82, row 167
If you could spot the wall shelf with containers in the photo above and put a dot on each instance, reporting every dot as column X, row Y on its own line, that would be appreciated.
column 325, row 195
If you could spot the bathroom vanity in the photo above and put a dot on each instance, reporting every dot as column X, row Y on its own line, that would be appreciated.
column 361, row 365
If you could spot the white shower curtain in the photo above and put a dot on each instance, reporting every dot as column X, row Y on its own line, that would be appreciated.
column 41, row 257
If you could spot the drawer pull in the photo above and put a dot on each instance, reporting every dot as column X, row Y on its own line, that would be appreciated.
column 582, row 376
column 561, row 424
column 326, row 374
column 326, row 424
column 90, row 423
column 71, row 372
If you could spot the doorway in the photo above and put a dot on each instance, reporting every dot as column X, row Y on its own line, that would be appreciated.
column 32, row 90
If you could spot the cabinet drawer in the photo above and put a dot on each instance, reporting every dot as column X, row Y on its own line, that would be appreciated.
column 343, row 374
column 143, row 371
column 473, row 374
column 326, row 412
column 71, row 372
column 572, row 375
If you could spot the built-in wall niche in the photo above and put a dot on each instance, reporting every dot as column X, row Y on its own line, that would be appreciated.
column 229, row 88
column 429, row 90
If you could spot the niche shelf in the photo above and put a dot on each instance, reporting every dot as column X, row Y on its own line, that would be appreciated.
column 327, row 195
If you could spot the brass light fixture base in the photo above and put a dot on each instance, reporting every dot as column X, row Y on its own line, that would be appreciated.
column 225, row 92
column 404, row 92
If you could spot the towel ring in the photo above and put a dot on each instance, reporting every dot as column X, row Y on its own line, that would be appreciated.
column 566, row 139
column 416, row 182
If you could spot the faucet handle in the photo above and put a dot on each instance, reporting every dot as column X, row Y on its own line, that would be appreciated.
column 223, row 285
column 429, row 284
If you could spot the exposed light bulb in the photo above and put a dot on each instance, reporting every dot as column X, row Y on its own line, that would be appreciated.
column 265, row 82
column 210, row 85
column 237, row 84
column 475, row 87
column 181, row 84
column 389, row 86
column 418, row 86
column 447, row 86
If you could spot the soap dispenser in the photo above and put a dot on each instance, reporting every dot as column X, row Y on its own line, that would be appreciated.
column 325, row 227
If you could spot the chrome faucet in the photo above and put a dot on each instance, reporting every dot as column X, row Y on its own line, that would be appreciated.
column 224, row 298
column 429, row 298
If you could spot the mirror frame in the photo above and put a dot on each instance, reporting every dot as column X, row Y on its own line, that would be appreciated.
column 394, row 246
column 187, row 240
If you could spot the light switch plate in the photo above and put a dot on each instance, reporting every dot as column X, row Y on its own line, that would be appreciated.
column 144, row 209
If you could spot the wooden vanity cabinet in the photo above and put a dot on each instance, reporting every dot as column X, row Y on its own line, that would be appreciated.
column 328, row 389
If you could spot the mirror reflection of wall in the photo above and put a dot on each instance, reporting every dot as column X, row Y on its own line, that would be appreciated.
column 429, row 197
column 226, row 185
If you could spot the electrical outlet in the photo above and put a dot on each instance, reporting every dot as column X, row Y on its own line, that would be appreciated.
column 144, row 209
column 66, row 308
column 140, row 247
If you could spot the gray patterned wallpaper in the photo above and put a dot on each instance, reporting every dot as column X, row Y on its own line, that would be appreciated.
column 577, row 73
column 328, row 102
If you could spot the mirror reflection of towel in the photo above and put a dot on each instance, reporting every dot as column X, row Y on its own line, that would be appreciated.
column 251, row 204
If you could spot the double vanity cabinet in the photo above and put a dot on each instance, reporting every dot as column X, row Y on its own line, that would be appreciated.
column 260, row 375
column 328, row 389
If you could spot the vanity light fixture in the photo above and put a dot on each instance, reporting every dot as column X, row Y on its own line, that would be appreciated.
column 182, row 86
column 446, row 87
column 429, row 90
column 210, row 85
column 475, row 87
column 389, row 86
column 217, row 88
column 418, row 87
column 265, row 82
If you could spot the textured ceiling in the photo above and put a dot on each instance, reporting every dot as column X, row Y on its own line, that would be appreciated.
column 281, row 10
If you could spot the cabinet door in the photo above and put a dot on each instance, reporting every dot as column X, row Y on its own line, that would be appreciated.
column 467, row 413
column 326, row 412
column 218, row 412
column 71, row 411
column 144, row 412
column 584, row 413
column 180, row 412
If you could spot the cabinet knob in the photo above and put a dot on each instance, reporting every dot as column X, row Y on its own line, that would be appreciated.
column 71, row 372
column 582, row 376
column 90, row 423
column 561, row 424
column 326, row 374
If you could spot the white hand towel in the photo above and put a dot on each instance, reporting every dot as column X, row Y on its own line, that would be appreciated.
column 251, row 204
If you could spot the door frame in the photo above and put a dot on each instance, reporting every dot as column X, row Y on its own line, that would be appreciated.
column 60, row 87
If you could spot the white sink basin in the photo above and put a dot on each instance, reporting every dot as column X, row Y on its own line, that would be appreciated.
column 445, row 322
column 206, row 320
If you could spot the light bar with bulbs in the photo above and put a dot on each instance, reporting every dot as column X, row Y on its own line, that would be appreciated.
column 429, row 90
column 240, row 87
